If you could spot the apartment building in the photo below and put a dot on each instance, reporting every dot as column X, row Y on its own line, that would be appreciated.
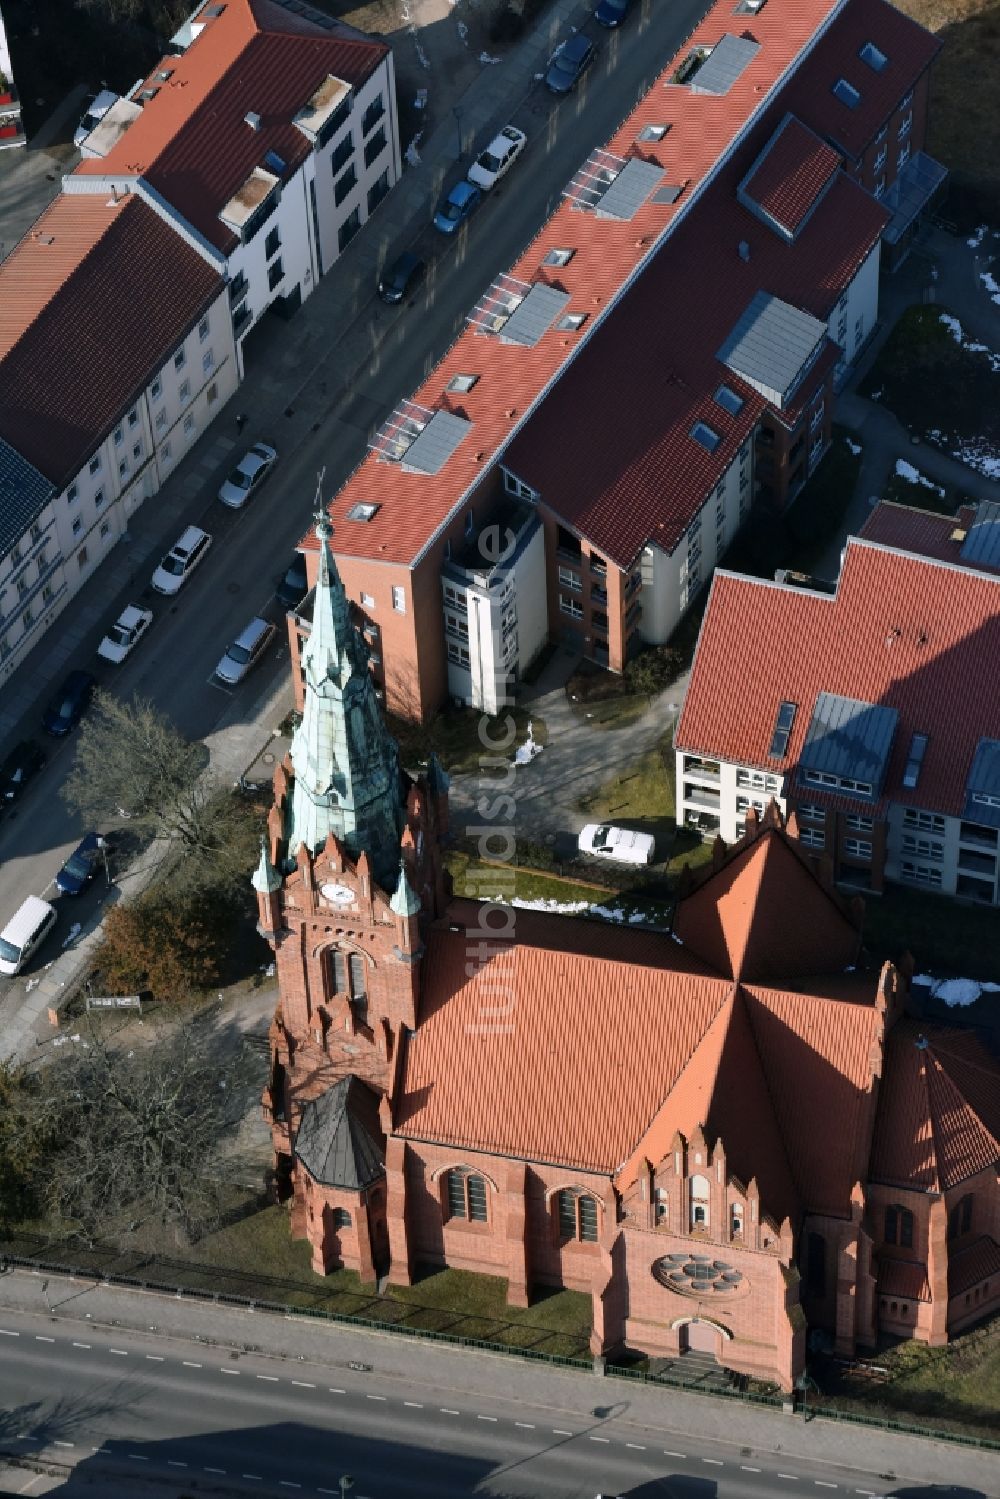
column 11, row 125
column 870, row 715
column 116, row 348
column 661, row 357
column 267, row 137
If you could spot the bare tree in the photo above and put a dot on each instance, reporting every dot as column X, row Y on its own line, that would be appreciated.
column 135, row 1134
column 132, row 762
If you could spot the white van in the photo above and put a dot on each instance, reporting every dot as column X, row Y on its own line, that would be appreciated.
column 24, row 932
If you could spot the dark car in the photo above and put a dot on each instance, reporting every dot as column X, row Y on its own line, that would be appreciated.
column 294, row 585
column 81, row 866
column 23, row 762
column 569, row 63
column 70, row 703
column 402, row 277
column 612, row 12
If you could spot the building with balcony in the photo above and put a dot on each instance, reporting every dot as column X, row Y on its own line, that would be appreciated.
column 662, row 357
column 266, row 137
column 869, row 715
column 11, row 125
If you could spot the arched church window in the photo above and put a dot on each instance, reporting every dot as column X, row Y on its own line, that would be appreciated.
column 577, row 1214
column 899, row 1226
column 341, row 1218
column 816, row 1264
column 960, row 1217
column 736, row 1219
column 465, row 1193
column 699, row 1189
column 359, row 980
column 338, row 970
column 661, row 1205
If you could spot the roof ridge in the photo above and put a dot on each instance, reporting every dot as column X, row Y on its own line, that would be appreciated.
column 767, row 1088
column 919, row 557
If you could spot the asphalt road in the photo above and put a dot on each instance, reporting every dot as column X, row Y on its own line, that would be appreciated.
column 173, row 663
column 114, row 1407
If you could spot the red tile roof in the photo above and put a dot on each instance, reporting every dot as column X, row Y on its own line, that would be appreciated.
column 764, row 915
column 938, row 1119
column 913, row 530
column 791, row 173
column 59, row 239
column 903, row 631
column 817, row 1056
column 564, row 1057
column 910, row 50
column 970, row 1266
column 191, row 143
column 903, row 1278
column 101, row 336
column 651, row 478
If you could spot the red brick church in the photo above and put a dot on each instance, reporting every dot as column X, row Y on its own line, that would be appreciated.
column 725, row 1135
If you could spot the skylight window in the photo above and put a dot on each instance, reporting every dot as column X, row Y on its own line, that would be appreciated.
column 363, row 512
column 727, row 398
column 558, row 257
column 462, row 383
column 164, row 74
column 875, row 59
column 571, row 321
column 782, row 730
column 652, row 132
column 846, row 93
column 706, row 436
column 274, row 162
column 914, row 760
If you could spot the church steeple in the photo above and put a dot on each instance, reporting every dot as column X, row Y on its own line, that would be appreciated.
column 346, row 764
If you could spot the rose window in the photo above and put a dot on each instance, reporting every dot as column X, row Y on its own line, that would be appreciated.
column 697, row 1274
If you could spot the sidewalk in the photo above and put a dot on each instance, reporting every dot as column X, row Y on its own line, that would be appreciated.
column 467, row 1373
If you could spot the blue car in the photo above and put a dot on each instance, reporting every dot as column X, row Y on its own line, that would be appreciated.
column 612, row 13
column 456, row 207
column 569, row 63
column 70, row 703
column 81, row 866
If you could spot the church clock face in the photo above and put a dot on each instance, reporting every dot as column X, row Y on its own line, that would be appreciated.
column 337, row 895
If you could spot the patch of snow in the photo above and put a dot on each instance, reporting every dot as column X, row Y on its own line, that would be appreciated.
column 981, row 458
column 914, row 476
column 610, row 913
column 420, row 102
column 30, row 985
column 958, row 334
column 876, row 395
column 526, row 752
column 422, row 57
column 544, row 903
column 954, row 992
column 953, row 325
column 73, row 933
column 485, row 58
column 976, row 239
column 463, row 32
column 855, row 447
column 411, row 153
column 636, row 917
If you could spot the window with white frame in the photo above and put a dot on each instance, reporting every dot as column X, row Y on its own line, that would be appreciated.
column 920, row 874
column 204, row 328
column 123, row 468
column 858, row 848
column 156, row 389
column 514, row 485
column 399, row 599
column 95, row 463
column 569, row 579
column 700, row 1208
column 133, row 417
column 207, row 361
column 812, row 837
column 119, row 436
column 879, row 187
column 929, row 822
column 180, row 359
column 757, row 780
column 99, row 499
column 924, row 848
column 903, row 157
column 161, row 420
column 905, row 126
column 72, row 494
column 858, row 823
column 184, row 394
column 811, row 812
column 570, row 606
column 189, row 422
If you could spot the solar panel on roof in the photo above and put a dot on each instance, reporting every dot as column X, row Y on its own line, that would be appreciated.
column 534, row 315
column 630, row 189
column 429, row 452
column 669, row 193
column 587, row 186
column 724, row 64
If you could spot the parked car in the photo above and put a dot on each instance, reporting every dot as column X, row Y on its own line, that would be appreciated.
column 402, row 277
column 294, row 585
column 602, row 840
column 498, row 158
column 21, row 766
column 456, row 207
column 69, row 704
column 245, row 651
column 126, row 632
column 612, row 13
column 569, row 63
column 248, row 475
column 97, row 107
column 81, row 866
column 180, row 562
column 25, row 932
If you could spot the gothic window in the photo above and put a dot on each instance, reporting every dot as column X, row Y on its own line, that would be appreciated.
column 736, row 1219
column 466, row 1194
column 577, row 1212
column 816, row 1264
column 341, row 1218
column 662, row 1210
column 960, row 1217
column 699, row 1202
column 338, row 971
column 899, row 1226
column 358, row 978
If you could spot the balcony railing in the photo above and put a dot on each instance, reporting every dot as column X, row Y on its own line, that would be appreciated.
column 702, row 796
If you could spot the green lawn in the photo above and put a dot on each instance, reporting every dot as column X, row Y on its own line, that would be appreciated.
column 642, row 795
column 257, row 1258
column 463, row 736
column 946, row 938
column 956, row 1387
column 944, row 392
column 481, row 880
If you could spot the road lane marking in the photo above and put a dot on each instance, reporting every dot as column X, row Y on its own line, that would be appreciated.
column 302, row 1385
column 636, row 1447
column 172, row 1464
column 557, row 1431
column 382, row 1397
column 413, row 1404
column 155, row 1358
column 793, row 1477
column 189, row 1365
column 8, row 1334
column 821, row 1483
column 137, row 1457
column 216, row 1470
column 103, row 1451
column 81, row 1345
column 715, row 1461
column 683, row 1455
column 121, row 1352
column 332, row 1391
column 446, row 1412
column 271, row 1378
column 525, row 1425
column 600, row 1439
column 235, row 1371
column 256, row 1478
column 286, row 1483
column 745, row 1469
column 40, row 1339
column 486, row 1418
column 64, row 1444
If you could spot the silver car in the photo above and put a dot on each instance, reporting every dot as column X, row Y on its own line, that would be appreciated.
column 245, row 651
column 248, row 475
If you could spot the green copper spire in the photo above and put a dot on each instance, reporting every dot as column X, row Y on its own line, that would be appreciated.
column 346, row 764
column 266, row 879
column 404, row 902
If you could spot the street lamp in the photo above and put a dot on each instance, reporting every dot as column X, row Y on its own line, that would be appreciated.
column 346, row 1482
column 803, row 1384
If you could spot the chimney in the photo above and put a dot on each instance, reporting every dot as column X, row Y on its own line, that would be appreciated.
column 252, row 119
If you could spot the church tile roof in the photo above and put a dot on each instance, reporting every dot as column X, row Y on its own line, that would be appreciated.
column 938, row 1119
column 970, row 1266
column 339, row 1139
column 904, row 1278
